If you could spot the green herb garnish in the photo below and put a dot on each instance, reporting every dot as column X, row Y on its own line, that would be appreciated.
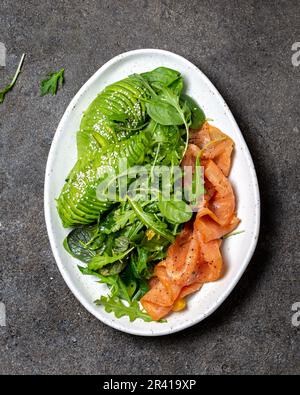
column 114, row 305
column 11, row 85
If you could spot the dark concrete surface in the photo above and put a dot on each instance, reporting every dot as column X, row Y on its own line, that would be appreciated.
column 244, row 47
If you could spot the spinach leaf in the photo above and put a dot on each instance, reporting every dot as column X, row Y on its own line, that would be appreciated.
column 142, row 289
column 175, row 211
column 116, row 306
column 177, row 86
column 163, row 113
column 138, row 262
column 121, row 244
column 150, row 221
column 198, row 116
column 161, row 77
column 83, row 242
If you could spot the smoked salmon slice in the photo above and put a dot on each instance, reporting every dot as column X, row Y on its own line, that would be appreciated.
column 195, row 257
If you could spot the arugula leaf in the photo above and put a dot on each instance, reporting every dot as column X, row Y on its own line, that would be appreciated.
column 161, row 77
column 175, row 211
column 114, row 305
column 150, row 221
column 14, row 80
column 52, row 83
column 98, row 261
column 163, row 113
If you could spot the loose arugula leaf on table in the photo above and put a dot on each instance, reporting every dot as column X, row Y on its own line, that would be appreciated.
column 14, row 80
column 116, row 306
column 52, row 83
column 175, row 211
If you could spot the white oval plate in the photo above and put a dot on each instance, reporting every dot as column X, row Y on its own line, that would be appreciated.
column 237, row 250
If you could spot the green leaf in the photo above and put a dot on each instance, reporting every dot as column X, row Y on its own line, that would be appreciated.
column 175, row 211
column 143, row 288
column 198, row 116
column 104, row 279
column 150, row 221
column 11, row 85
column 170, row 97
column 161, row 77
column 116, row 306
column 83, row 242
column 52, row 83
column 138, row 262
column 121, row 244
column 117, row 219
column 99, row 261
column 177, row 86
column 112, row 268
column 114, row 282
column 163, row 113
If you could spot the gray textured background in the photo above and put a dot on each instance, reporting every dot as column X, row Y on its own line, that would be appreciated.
column 244, row 47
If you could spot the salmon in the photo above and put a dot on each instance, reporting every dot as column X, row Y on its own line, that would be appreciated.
column 195, row 257
column 215, row 144
column 223, row 203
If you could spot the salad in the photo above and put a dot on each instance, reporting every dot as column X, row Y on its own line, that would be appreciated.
column 148, row 199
